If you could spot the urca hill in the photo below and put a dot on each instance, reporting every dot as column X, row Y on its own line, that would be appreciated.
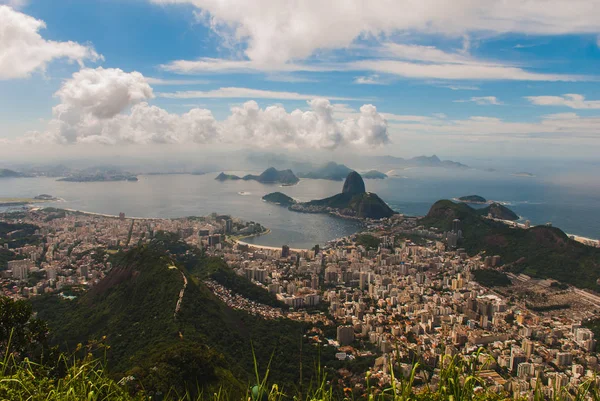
column 354, row 201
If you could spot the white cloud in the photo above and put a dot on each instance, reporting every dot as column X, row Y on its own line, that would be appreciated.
column 568, row 126
column 456, row 71
column 457, row 67
column 103, row 93
column 572, row 100
column 243, row 93
column 24, row 51
column 277, row 32
column 482, row 100
column 462, row 87
column 108, row 106
column 17, row 4
column 425, row 53
column 161, row 81
column 370, row 80
column 405, row 118
column 220, row 66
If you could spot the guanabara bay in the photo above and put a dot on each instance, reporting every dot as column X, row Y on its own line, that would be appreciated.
column 299, row 200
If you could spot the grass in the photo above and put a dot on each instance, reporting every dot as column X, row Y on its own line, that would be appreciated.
column 74, row 378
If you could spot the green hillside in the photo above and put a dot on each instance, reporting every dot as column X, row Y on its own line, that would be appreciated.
column 206, row 344
column 544, row 252
column 498, row 211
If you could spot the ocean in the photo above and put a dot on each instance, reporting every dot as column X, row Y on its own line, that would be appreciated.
column 568, row 202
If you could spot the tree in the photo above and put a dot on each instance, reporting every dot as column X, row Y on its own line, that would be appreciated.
column 20, row 333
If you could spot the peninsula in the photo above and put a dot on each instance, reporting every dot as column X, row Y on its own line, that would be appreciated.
column 353, row 202
column 100, row 177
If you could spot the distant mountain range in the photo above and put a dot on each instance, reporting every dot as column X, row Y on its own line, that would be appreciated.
column 419, row 161
column 269, row 176
column 338, row 171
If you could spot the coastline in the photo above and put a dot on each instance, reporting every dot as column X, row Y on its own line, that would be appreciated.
column 270, row 248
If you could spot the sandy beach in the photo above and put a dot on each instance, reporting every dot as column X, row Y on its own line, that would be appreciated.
column 272, row 248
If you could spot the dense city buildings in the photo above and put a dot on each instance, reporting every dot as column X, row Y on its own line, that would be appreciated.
column 410, row 297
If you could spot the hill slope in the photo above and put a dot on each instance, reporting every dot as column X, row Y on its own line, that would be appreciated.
column 206, row 342
column 540, row 251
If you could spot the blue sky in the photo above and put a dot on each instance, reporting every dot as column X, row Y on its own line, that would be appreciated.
column 466, row 81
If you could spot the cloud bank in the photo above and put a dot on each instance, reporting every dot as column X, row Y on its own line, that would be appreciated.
column 23, row 50
column 280, row 31
column 571, row 100
column 109, row 106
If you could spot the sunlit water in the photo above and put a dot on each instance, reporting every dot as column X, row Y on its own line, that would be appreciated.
column 574, row 208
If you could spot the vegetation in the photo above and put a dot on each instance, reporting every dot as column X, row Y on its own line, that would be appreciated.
column 200, row 348
column 594, row 325
column 368, row 241
column 88, row 378
column 491, row 278
column 548, row 308
column 226, row 177
column 498, row 211
column 542, row 252
column 472, row 199
column 269, row 176
column 17, row 235
column 365, row 205
column 279, row 198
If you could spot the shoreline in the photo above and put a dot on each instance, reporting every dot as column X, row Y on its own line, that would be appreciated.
column 270, row 248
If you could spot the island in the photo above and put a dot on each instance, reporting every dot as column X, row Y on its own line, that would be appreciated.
column 523, row 174
column 474, row 199
column 353, row 202
column 329, row 171
column 269, row 176
column 374, row 175
column 45, row 197
column 227, row 177
column 279, row 198
column 6, row 173
column 99, row 178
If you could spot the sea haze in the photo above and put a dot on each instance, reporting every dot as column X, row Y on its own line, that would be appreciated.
column 539, row 199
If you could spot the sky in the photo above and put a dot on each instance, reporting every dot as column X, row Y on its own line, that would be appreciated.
column 462, row 79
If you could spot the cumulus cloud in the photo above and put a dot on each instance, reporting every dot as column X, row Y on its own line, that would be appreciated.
column 277, row 32
column 482, row 100
column 23, row 50
column 103, row 93
column 109, row 106
column 572, row 100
